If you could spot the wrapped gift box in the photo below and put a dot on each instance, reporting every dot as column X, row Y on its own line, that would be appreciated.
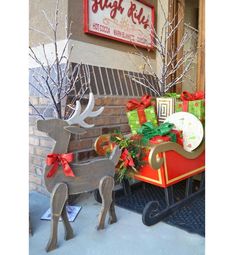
column 140, row 112
column 166, row 106
column 192, row 103
column 196, row 107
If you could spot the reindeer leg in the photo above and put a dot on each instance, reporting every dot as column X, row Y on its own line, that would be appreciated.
column 58, row 198
column 105, row 187
column 67, row 226
column 112, row 213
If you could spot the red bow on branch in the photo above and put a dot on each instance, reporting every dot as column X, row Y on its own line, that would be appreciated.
column 187, row 96
column 135, row 104
column 55, row 160
column 127, row 159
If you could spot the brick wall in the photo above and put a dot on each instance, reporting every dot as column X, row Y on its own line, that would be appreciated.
column 112, row 118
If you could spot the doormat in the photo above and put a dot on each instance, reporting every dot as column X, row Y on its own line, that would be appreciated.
column 190, row 217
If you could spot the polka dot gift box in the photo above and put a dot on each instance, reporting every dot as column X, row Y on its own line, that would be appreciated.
column 192, row 103
column 139, row 112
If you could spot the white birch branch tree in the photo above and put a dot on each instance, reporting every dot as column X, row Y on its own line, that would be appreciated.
column 57, row 78
column 170, row 62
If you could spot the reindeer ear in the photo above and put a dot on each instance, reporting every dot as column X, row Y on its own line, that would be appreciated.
column 75, row 130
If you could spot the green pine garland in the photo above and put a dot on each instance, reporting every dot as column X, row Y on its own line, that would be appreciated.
column 133, row 152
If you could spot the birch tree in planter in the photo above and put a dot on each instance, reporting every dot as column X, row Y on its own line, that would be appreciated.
column 175, row 61
column 56, row 78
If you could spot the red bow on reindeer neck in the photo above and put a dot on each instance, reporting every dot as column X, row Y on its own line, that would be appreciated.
column 55, row 160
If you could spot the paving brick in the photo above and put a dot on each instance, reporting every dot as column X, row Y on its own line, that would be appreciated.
column 32, row 186
column 35, row 179
column 108, row 130
column 107, row 120
column 41, row 151
column 123, row 119
column 42, row 189
column 111, row 110
column 31, row 149
column 80, row 145
column 73, row 145
column 39, row 171
column 84, row 155
column 31, row 168
column 73, row 137
column 125, row 128
column 32, row 120
column 98, row 101
column 36, row 160
column 85, row 144
column 39, row 133
column 34, row 100
column 44, row 142
column 33, row 140
column 91, row 132
column 122, row 110
column 43, row 101
column 112, row 100
column 31, row 130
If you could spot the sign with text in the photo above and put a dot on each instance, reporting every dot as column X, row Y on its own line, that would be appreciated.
column 128, row 21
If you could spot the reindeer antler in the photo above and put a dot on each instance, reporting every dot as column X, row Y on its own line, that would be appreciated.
column 78, row 117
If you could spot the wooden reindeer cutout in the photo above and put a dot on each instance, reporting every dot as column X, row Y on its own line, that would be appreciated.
column 62, row 177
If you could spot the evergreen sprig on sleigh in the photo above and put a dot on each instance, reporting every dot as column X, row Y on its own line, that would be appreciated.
column 132, row 155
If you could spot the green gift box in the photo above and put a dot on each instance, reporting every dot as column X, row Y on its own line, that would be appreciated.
column 196, row 107
column 139, row 116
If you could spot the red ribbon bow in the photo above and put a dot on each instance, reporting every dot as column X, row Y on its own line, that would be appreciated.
column 55, row 160
column 134, row 104
column 187, row 96
column 127, row 159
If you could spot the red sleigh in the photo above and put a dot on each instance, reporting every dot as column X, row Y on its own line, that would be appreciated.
column 167, row 164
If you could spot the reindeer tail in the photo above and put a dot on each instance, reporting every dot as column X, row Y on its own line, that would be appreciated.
column 115, row 155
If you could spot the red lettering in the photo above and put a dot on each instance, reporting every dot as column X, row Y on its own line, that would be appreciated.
column 137, row 16
column 106, row 4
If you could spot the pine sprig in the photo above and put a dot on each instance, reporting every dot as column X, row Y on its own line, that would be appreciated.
column 135, row 150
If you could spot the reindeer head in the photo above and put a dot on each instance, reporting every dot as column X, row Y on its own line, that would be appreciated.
column 57, row 128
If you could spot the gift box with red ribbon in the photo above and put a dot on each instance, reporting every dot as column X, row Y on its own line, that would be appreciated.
column 139, row 112
column 193, row 103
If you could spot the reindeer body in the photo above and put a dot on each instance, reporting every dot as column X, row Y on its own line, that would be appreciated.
column 91, row 175
column 88, row 176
